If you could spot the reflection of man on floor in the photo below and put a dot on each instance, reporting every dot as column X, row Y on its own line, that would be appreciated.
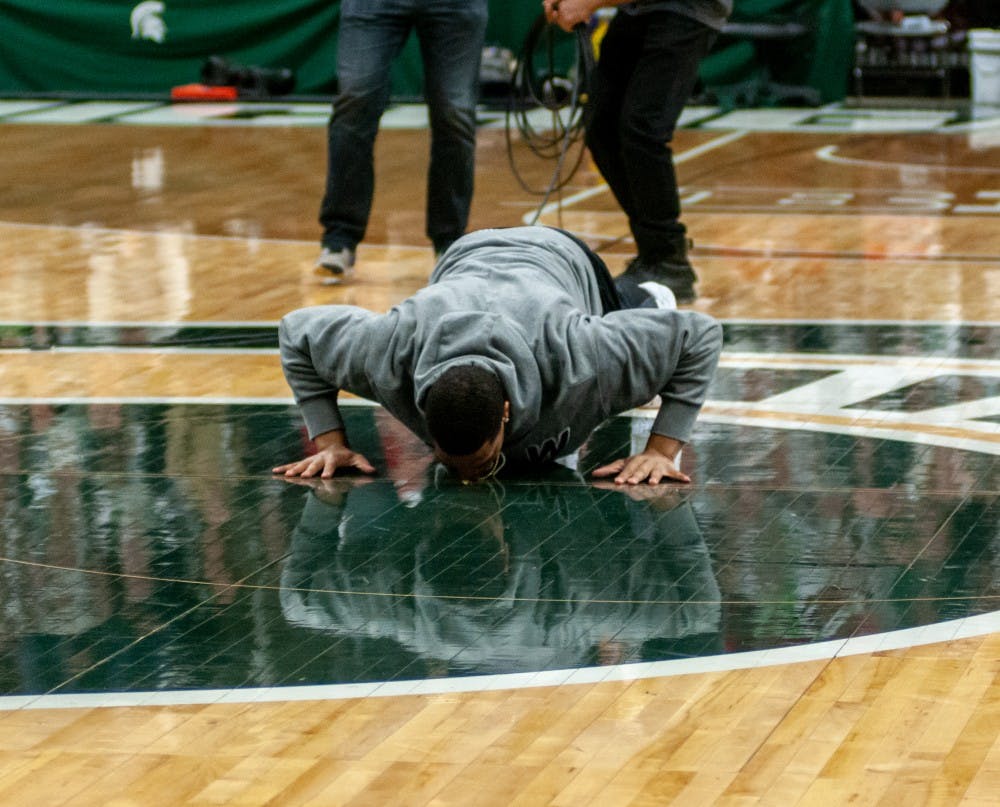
column 538, row 577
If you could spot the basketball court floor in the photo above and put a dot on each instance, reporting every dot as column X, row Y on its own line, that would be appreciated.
column 815, row 619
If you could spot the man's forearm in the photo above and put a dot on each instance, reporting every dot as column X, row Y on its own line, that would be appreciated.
column 687, row 387
column 335, row 437
column 667, row 446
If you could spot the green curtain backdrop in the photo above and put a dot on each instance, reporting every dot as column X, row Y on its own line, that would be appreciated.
column 88, row 46
column 94, row 46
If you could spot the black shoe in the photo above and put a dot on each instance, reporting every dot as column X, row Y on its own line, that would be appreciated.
column 441, row 246
column 677, row 275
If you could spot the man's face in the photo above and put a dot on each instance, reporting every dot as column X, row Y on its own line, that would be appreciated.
column 483, row 463
column 478, row 466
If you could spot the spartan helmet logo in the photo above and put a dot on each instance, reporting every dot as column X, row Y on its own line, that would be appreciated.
column 146, row 21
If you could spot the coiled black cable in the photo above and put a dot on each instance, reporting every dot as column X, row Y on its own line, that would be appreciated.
column 537, row 83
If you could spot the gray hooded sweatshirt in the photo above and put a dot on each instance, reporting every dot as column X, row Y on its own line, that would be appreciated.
column 523, row 302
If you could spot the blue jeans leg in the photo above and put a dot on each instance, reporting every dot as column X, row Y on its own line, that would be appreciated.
column 372, row 33
column 451, row 38
column 370, row 37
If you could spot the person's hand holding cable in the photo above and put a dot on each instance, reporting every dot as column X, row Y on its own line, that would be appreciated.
column 567, row 14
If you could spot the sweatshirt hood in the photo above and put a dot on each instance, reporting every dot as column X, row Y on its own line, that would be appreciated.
column 490, row 341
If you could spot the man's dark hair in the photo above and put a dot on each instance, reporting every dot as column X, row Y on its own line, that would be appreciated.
column 464, row 408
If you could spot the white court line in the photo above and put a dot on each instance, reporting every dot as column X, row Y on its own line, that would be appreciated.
column 88, row 228
column 966, row 366
column 829, row 154
column 901, row 432
column 904, row 432
column 163, row 325
column 690, row 154
column 260, row 323
column 160, row 400
column 157, row 400
column 854, row 323
column 966, row 628
column 128, row 350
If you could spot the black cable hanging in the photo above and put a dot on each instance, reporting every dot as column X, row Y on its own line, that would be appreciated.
column 537, row 83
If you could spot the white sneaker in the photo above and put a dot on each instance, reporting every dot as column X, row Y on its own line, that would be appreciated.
column 662, row 295
column 335, row 266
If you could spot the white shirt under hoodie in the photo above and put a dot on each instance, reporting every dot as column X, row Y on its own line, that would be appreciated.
column 524, row 303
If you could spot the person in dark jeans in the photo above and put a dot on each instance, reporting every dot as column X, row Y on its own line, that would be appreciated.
column 372, row 32
column 647, row 70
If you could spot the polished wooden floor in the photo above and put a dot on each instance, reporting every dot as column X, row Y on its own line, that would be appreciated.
column 110, row 225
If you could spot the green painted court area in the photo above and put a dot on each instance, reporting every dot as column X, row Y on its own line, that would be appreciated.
column 146, row 547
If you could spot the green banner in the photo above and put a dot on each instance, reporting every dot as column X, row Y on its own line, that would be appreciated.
column 109, row 46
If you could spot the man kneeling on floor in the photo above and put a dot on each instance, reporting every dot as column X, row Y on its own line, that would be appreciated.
column 517, row 349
